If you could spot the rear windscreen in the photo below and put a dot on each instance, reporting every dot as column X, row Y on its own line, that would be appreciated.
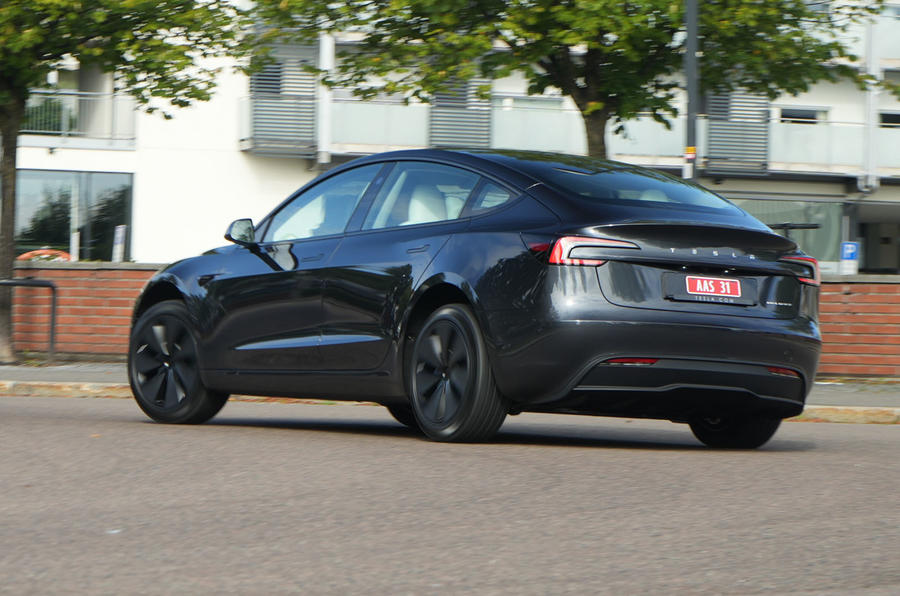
column 630, row 186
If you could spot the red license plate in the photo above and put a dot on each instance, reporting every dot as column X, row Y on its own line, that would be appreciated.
column 713, row 286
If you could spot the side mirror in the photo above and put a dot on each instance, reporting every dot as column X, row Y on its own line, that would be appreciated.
column 241, row 232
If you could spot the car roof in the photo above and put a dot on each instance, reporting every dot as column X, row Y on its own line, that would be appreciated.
column 525, row 167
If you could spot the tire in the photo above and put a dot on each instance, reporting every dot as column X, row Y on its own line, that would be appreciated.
column 734, row 432
column 404, row 415
column 452, row 390
column 163, row 370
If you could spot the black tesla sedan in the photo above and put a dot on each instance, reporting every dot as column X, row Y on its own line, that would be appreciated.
column 456, row 287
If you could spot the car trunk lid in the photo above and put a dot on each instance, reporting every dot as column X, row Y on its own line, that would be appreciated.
column 691, row 267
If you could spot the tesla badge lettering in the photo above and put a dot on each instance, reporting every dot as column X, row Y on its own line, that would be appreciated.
column 713, row 286
column 714, row 252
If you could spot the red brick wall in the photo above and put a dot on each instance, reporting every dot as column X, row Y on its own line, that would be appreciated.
column 861, row 327
column 860, row 318
column 93, row 313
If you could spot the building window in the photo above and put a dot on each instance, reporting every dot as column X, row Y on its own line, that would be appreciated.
column 823, row 243
column 822, row 7
column 802, row 115
column 72, row 211
column 890, row 120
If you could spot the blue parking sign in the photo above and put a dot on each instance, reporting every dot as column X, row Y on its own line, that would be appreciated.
column 849, row 251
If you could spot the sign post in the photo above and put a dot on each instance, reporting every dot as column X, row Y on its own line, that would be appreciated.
column 849, row 258
column 690, row 159
column 118, row 251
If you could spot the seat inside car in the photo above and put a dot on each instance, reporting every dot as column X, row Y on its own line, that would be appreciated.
column 426, row 203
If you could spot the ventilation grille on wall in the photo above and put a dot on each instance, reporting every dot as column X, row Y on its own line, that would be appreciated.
column 738, row 134
column 283, row 105
column 459, row 118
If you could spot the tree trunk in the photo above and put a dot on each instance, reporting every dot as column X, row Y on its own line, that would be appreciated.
column 595, row 126
column 11, row 116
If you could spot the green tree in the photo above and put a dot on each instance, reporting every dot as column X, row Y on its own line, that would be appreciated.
column 615, row 59
column 160, row 50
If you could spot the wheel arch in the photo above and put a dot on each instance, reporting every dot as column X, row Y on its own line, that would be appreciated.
column 436, row 292
column 158, row 290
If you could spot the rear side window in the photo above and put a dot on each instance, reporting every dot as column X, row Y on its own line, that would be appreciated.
column 491, row 195
column 648, row 188
column 420, row 192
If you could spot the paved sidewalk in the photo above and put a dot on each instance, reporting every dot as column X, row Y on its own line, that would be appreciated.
column 75, row 372
column 831, row 400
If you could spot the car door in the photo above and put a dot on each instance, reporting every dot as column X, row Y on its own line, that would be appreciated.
column 373, row 272
column 270, row 301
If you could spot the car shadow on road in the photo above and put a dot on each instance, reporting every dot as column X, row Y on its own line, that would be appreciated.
column 655, row 440
column 386, row 428
column 534, row 434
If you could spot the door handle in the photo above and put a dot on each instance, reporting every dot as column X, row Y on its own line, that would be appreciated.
column 416, row 249
column 311, row 258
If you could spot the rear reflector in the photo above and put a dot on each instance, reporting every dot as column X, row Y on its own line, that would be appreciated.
column 786, row 372
column 563, row 247
column 632, row 361
column 810, row 263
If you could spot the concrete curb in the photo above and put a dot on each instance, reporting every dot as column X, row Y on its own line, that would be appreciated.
column 64, row 389
column 812, row 413
column 853, row 414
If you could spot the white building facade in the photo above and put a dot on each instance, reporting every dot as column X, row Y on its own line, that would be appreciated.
column 88, row 161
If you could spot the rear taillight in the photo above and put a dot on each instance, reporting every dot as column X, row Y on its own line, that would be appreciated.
column 561, row 254
column 813, row 278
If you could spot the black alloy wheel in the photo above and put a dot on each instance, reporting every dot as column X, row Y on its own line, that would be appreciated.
column 454, row 396
column 734, row 431
column 163, row 370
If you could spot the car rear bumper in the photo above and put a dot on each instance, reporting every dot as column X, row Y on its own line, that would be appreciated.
column 563, row 367
column 678, row 389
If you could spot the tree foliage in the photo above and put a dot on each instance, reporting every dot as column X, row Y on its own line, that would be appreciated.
column 615, row 59
column 156, row 47
column 159, row 49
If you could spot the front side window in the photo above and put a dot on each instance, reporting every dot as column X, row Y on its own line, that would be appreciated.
column 420, row 192
column 323, row 209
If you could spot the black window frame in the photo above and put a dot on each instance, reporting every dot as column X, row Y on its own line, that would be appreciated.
column 354, row 225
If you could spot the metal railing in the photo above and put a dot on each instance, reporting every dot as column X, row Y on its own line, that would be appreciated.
column 278, row 124
column 30, row 282
column 552, row 123
column 79, row 114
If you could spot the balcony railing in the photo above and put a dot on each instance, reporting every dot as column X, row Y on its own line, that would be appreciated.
column 79, row 114
column 279, row 124
column 553, row 124
column 358, row 125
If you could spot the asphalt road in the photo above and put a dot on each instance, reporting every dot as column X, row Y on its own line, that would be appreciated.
column 282, row 498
